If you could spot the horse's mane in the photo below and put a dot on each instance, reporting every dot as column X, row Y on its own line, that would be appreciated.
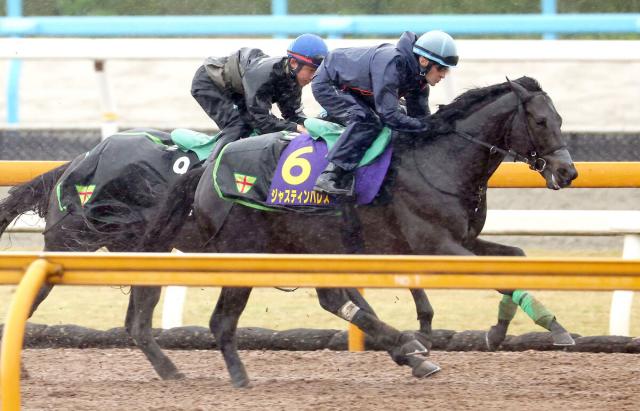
column 459, row 107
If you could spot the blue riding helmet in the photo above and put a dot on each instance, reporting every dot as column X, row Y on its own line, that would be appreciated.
column 438, row 47
column 308, row 49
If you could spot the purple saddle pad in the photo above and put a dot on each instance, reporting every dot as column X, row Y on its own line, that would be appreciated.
column 300, row 165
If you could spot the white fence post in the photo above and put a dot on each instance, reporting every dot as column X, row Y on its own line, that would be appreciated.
column 620, row 315
column 172, row 308
column 109, row 124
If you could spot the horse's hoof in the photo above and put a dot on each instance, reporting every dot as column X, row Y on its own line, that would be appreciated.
column 424, row 368
column 174, row 376
column 408, row 348
column 424, row 339
column 241, row 383
column 563, row 339
column 413, row 348
column 493, row 338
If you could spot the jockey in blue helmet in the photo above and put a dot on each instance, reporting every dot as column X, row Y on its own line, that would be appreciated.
column 361, row 87
column 306, row 53
column 238, row 91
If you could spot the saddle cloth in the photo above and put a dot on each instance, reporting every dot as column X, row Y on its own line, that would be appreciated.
column 279, row 170
column 120, row 180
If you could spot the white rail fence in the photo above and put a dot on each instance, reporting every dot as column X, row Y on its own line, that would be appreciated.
column 102, row 50
column 499, row 222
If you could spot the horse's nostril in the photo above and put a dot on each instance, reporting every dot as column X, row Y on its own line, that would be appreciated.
column 574, row 173
column 567, row 174
column 563, row 173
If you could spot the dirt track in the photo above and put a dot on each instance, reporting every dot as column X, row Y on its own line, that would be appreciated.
column 71, row 379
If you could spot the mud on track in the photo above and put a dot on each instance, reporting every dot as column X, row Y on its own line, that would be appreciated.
column 122, row 379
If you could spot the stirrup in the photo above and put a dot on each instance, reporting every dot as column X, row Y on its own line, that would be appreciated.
column 329, row 186
column 347, row 192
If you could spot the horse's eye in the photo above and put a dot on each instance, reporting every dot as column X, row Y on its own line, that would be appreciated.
column 542, row 122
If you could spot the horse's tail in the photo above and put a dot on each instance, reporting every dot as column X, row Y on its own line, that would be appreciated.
column 31, row 196
column 172, row 214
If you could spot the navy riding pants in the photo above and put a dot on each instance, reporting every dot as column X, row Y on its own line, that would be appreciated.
column 362, row 122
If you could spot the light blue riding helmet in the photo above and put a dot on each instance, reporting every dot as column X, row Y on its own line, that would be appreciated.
column 438, row 47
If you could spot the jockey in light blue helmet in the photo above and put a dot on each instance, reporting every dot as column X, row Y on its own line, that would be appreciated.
column 439, row 48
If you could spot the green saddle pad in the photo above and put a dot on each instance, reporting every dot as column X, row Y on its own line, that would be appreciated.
column 330, row 132
column 200, row 143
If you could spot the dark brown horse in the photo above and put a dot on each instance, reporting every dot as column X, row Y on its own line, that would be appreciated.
column 436, row 206
column 134, row 169
column 122, row 181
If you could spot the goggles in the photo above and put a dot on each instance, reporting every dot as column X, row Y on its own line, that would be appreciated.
column 450, row 61
column 313, row 61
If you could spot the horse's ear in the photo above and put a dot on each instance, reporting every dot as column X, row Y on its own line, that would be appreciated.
column 520, row 91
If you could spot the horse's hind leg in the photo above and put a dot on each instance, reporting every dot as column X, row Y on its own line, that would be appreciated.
column 425, row 316
column 403, row 347
column 142, row 302
column 358, row 299
column 223, row 324
column 511, row 299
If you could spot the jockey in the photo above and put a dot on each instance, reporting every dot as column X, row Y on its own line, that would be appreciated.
column 238, row 91
column 362, row 87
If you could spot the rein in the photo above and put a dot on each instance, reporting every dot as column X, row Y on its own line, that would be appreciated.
column 533, row 160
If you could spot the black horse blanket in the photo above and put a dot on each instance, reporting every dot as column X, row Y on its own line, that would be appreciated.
column 120, row 180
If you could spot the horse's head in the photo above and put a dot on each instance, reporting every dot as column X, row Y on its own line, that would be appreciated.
column 536, row 131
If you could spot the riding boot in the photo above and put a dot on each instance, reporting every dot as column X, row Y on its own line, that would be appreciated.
column 335, row 180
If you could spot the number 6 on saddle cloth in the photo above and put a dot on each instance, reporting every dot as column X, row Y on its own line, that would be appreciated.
column 277, row 171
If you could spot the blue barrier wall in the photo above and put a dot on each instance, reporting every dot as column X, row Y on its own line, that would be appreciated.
column 327, row 25
column 548, row 23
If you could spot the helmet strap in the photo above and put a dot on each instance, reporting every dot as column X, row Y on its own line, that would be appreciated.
column 293, row 71
column 425, row 70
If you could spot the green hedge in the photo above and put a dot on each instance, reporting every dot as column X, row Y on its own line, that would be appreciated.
column 217, row 7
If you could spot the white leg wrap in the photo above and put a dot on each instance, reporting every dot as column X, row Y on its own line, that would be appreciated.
column 348, row 310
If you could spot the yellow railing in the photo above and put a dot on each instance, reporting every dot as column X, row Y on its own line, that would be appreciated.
column 13, row 334
column 18, row 172
column 260, row 270
column 590, row 175
column 508, row 175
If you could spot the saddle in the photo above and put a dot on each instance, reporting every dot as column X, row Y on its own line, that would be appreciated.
column 190, row 140
column 277, row 171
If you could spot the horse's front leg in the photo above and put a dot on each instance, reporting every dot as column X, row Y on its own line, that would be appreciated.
column 403, row 347
column 512, row 299
column 223, row 325
column 142, row 302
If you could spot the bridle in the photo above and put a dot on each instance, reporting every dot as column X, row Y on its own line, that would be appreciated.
column 534, row 158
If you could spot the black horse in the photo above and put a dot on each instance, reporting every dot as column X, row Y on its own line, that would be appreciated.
column 133, row 170
column 437, row 206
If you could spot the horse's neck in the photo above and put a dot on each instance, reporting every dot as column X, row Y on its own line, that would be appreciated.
column 459, row 166
column 483, row 123
column 490, row 124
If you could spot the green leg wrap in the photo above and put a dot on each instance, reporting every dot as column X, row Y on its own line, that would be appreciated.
column 534, row 308
column 507, row 309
